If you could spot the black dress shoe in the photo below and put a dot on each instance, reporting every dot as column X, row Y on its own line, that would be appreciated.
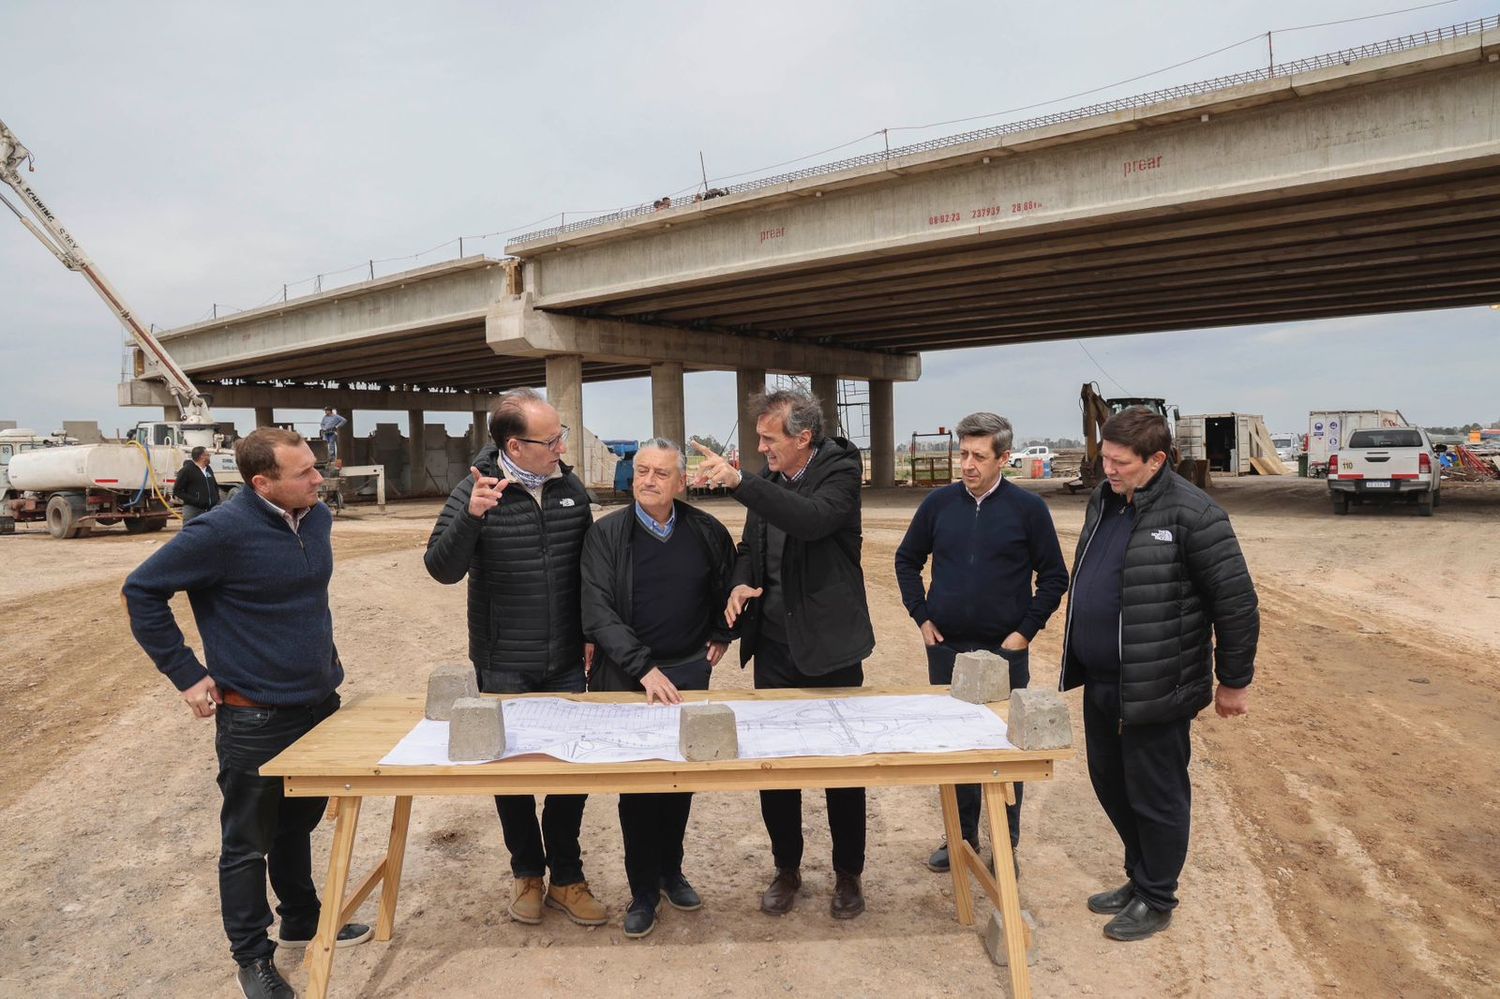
column 1107, row 903
column 640, row 919
column 680, row 893
column 778, row 898
column 848, row 897
column 1137, row 921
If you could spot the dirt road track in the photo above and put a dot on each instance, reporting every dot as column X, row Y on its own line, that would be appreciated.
column 1344, row 842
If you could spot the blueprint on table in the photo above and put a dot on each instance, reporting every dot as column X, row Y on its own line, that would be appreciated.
column 577, row 732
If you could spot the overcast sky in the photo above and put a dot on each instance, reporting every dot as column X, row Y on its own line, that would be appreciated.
column 203, row 155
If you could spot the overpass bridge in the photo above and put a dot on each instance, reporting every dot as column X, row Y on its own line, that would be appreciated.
column 1364, row 182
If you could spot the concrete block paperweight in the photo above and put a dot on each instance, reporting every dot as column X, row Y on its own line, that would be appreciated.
column 447, row 684
column 707, row 732
column 476, row 731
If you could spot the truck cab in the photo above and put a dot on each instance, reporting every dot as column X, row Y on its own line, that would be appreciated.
column 12, row 443
column 1385, row 465
column 218, row 438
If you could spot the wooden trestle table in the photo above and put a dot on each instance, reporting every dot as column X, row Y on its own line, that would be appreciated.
column 341, row 759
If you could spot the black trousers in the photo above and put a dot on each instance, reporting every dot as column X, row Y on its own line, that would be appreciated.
column 552, row 845
column 782, row 810
column 940, row 660
column 1140, row 777
column 261, row 830
column 654, row 826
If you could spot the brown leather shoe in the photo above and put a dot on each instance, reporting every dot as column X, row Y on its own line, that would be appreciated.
column 848, row 897
column 782, row 894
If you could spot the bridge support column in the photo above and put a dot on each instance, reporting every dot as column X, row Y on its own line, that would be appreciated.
column 748, row 382
column 481, row 432
column 416, row 452
column 668, row 413
column 826, row 388
column 265, row 416
column 565, row 393
column 346, row 438
column 882, row 434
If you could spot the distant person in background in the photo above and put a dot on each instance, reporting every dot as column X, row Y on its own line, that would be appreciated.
column 329, row 430
column 989, row 539
column 195, row 485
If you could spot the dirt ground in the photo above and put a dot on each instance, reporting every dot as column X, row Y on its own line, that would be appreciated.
column 1344, row 843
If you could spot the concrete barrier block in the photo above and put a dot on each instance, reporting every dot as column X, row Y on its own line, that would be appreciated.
column 1039, row 720
column 447, row 684
column 980, row 677
column 706, row 732
column 994, row 939
column 477, row 731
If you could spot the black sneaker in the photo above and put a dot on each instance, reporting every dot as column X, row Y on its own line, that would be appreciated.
column 681, row 894
column 261, row 980
column 349, row 935
column 939, row 861
column 640, row 919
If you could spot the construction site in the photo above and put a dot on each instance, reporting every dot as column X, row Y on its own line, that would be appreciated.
column 1345, row 835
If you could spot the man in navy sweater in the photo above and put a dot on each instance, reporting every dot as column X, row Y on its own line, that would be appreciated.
column 987, row 539
column 256, row 573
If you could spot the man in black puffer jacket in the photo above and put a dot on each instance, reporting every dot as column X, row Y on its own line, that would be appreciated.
column 515, row 527
column 1161, row 600
column 800, row 595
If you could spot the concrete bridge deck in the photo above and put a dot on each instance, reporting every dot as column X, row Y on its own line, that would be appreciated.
column 1371, row 185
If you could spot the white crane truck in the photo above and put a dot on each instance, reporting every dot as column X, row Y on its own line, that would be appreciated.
column 74, row 487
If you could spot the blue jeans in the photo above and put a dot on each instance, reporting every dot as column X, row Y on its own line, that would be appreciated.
column 940, row 671
column 553, row 845
column 264, row 831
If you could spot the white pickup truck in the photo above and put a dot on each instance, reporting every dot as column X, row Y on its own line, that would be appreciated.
column 1389, row 464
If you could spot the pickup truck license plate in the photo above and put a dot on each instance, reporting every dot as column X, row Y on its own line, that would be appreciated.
column 1376, row 484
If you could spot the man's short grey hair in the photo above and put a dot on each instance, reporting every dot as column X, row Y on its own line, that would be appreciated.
column 663, row 444
column 996, row 428
column 801, row 410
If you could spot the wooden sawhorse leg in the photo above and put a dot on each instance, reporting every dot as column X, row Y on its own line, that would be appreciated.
column 395, row 856
column 330, row 921
column 963, row 892
column 1004, row 883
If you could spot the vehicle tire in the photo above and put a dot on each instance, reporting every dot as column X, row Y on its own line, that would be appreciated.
column 63, row 513
column 155, row 524
column 137, row 525
column 1437, row 498
column 1341, row 503
column 1425, row 504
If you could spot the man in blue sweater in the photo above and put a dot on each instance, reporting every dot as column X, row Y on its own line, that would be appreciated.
column 988, row 539
column 256, row 573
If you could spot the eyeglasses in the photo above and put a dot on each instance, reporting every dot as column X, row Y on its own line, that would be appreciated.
column 551, row 443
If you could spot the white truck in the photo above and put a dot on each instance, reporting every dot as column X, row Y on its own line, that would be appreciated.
column 1328, row 429
column 1386, row 465
column 74, row 487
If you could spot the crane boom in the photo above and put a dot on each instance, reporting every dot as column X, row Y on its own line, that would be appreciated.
column 65, row 248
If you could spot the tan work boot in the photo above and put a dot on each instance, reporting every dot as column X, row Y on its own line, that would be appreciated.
column 577, row 903
column 526, row 901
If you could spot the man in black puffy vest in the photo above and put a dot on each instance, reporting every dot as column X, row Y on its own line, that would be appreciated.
column 799, row 595
column 515, row 527
column 1161, row 600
